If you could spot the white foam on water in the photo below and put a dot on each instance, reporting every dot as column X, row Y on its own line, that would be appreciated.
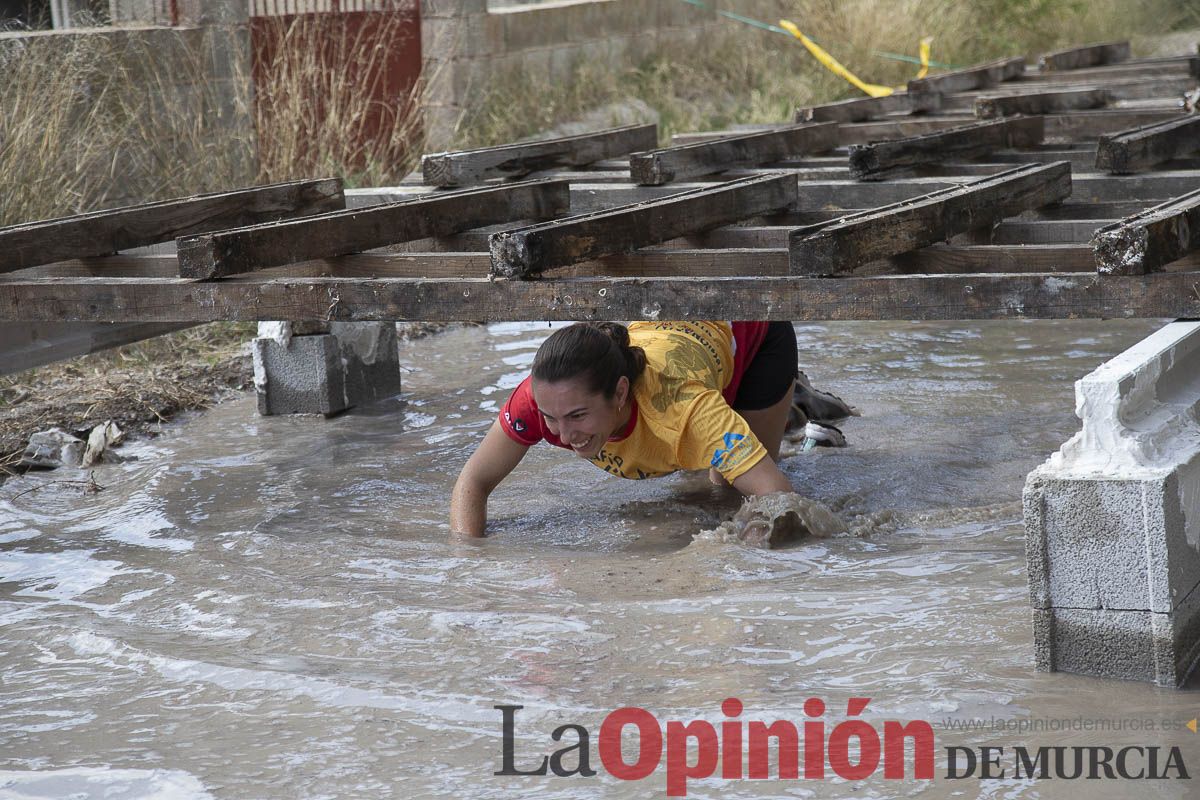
column 80, row 783
column 57, row 576
column 452, row 709
column 138, row 527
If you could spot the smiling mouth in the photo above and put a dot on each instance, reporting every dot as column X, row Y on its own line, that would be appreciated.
column 582, row 445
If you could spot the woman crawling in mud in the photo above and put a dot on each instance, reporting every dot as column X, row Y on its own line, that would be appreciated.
column 645, row 401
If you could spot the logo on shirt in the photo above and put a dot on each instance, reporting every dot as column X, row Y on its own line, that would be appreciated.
column 518, row 425
column 722, row 457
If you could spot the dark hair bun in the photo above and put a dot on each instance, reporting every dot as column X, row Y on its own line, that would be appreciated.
column 598, row 352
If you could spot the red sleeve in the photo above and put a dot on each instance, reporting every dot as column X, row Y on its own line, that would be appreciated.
column 520, row 417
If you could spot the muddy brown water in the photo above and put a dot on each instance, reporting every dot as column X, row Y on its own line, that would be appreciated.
column 271, row 607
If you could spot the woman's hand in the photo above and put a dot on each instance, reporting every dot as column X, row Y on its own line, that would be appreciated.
column 496, row 456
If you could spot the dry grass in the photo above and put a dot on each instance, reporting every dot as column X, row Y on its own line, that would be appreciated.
column 743, row 74
column 90, row 122
column 317, row 112
column 96, row 121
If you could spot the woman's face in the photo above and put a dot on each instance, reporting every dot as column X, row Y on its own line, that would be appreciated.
column 580, row 418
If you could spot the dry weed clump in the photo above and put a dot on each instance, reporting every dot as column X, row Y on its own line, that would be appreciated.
column 95, row 121
column 135, row 386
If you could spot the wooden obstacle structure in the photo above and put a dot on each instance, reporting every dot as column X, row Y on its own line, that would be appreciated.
column 998, row 191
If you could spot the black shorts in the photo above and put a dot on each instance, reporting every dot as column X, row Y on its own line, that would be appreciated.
column 770, row 374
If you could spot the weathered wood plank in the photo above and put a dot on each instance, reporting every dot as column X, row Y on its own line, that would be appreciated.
column 656, row 167
column 1071, row 126
column 976, row 77
column 1091, row 55
column 465, row 167
column 1147, row 241
column 863, row 108
column 990, row 106
column 1139, row 148
column 909, row 297
column 1067, row 231
column 1166, row 67
column 840, row 246
column 1117, row 90
column 526, row 251
column 738, row 256
column 1078, row 126
column 25, row 346
column 969, row 140
column 815, row 195
column 223, row 253
column 103, row 232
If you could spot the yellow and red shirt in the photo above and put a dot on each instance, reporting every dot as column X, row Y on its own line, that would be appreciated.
column 682, row 417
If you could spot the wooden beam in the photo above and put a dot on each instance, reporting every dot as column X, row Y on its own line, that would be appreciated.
column 864, row 108
column 657, row 167
column 840, row 246
column 738, row 257
column 523, row 252
column 1147, row 241
column 24, row 346
column 1125, row 89
column 1092, row 55
column 104, row 232
column 976, row 77
column 970, row 140
column 1069, row 126
column 989, row 106
column 217, row 255
column 1168, row 67
column 1078, row 126
column 465, row 167
column 908, row 297
column 814, row 195
column 1139, row 148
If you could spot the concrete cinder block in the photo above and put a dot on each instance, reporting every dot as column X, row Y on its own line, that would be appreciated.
column 1113, row 520
column 298, row 372
column 370, row 360
column 1163, row 649
column 302, row 375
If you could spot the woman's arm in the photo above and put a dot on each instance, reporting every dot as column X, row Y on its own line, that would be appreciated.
column 496, row 456
column 763, row 478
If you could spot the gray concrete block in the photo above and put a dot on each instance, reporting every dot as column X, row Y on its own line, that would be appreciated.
column 1129, row 645
column 370, row 360
column 1113, row 520
column 1110, row 544
column 303, row 375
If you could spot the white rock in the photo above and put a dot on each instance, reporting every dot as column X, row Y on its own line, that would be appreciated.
column 53, row 448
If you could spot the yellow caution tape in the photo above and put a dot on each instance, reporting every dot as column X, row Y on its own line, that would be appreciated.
column 831, row 63
column 925, row 45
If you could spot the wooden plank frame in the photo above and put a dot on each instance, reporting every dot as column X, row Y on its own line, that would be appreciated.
column 839, row 246
column 1146, row 242
column 525, row 252
column 1091, row 55
column 466, row 167
column 100, row 233
column 1139, row 148
column 1054, row 101
column 656, row 167
column 223, row 253
column 867, row 161
column 904, row 297
column 980, row 76
column 864, row 108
